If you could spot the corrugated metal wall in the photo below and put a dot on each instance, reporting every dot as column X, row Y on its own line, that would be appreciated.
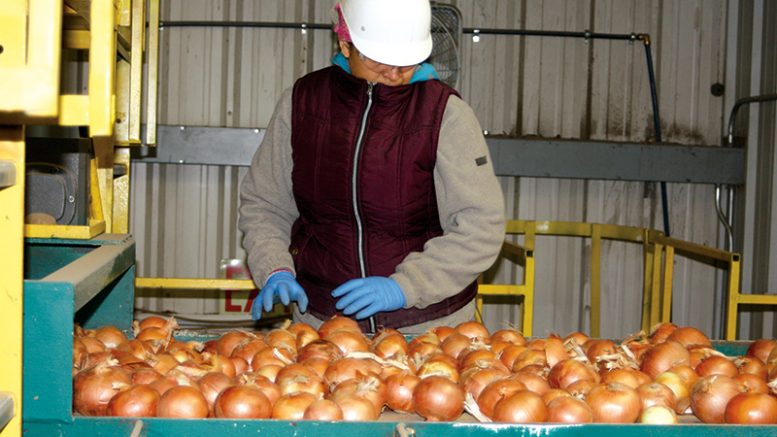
column 183, row 217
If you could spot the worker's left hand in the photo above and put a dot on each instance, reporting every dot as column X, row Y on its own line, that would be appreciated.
column 367, row 296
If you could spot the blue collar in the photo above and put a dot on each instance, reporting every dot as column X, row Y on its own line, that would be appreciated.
column 424, row 71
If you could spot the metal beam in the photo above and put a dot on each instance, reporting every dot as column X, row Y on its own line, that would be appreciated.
column 526, row 157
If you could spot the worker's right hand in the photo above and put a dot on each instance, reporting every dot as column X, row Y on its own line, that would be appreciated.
column 279, row 287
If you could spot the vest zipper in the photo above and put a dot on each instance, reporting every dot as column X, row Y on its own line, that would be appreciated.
column 359, row 225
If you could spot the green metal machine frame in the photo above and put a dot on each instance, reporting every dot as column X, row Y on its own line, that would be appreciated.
column 91, row 282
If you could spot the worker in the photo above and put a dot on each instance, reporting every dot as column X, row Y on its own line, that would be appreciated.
column 372, row 193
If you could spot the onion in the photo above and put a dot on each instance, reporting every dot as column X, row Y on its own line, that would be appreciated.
column 152, row 321
column 241, row 365
column 292, row 406
column 298, row 377
column 555, row 352
column 92, row 345
column 579, row 337
column 422, row 351
column 269, row 371
column 569, row 371
column 269, row 388
column 581, row 388
column 710, row 396
column 231, row 340
column 631, row 377
column 356, row 408
column 476, row 379
column 497, row 346
column 473, row 330
column 182, row 402
column 348, row 368
column 390, row 346
column 689, row 336
column 438, row 399
column 399, row 391
column 530, row 357
column 532, row 381
column 687, row 374
column 660, row 332
column 752, row 408
column 678, row 386
column 455, row 344
column 761, row 348
column 568, row 409
column 554, row 393
column 319, row 349
column 495, row 392
column 751, row 365
column 510, row 354
column 614, row 403
column 338, row 323
column 304, row 333
column 242, row 402
column 317, row 365
column 658, row 415
column 349, row 341
column 512, row 336
column 655, row 393
column 717, row 365
column 152, row 334
column 440, row 365
column 521, row 407
column 468, row 357
column 369, row 387
column 663, row 357
column 110, row 336
column 163, row 385
column 137, row 401
column 427, row 337
column 282, row 338
column 212, row 384
column 94, row 388
column 323, row 409
column 594, row 349
column 145, row 376
column 249, row 348
column 442, row 332
column 271, row 356
column 752, row 384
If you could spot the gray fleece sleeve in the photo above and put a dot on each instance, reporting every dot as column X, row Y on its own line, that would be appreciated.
column 471, row 208
column 267, row 206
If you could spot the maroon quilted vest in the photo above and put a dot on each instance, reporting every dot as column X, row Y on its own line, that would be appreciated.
column 394, row 191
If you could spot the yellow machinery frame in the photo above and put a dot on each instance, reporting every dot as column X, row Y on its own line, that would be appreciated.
column 32, row 35
column 658, row 260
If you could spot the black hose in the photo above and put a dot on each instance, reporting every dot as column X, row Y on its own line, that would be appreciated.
column 656, row 124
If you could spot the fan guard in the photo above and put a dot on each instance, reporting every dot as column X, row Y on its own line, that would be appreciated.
column 446, row 34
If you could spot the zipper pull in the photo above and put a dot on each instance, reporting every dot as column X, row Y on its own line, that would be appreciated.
column 370, row 85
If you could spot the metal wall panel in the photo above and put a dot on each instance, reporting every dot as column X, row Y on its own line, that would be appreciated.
column 552, row 87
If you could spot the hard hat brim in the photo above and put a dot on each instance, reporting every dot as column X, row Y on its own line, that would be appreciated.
column 395, row 53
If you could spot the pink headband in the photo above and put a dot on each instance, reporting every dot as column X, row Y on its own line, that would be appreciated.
column 340, row 28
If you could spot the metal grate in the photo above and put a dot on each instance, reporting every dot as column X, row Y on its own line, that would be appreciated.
column 446, row 35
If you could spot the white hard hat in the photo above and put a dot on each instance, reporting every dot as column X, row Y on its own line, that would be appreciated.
column 392, row 32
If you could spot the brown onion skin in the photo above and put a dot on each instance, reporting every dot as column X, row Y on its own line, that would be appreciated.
column 660, row 332
column 511, row 336
column 752, row 384
column 292, row 406
column 570, row 371
column 752, row 409
column 399, row 392
column 521, row 407
column 663, row 357
column 473, row 330
column 655, row 393
column 710, row 396
column 323, row 409
column 212, row 384
column 717, row 365
column 532, row 381
column 338, row 323
column 554, row 393
column 455, row 344
column 495, row 392
column 182, row 402
column 356, row 408
column 510, row 354
column 438, row 399
column 614, row 403
column 242, row 402
column 752, row 365
column 137, row 401
column 568, row 409
column 689, row 336
column 93, row 389
column 761, row 348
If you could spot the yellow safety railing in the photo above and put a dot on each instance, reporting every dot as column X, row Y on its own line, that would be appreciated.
column 659, row 252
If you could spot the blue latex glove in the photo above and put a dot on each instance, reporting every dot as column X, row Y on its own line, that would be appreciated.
column 281, row 287
column 369, row 296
